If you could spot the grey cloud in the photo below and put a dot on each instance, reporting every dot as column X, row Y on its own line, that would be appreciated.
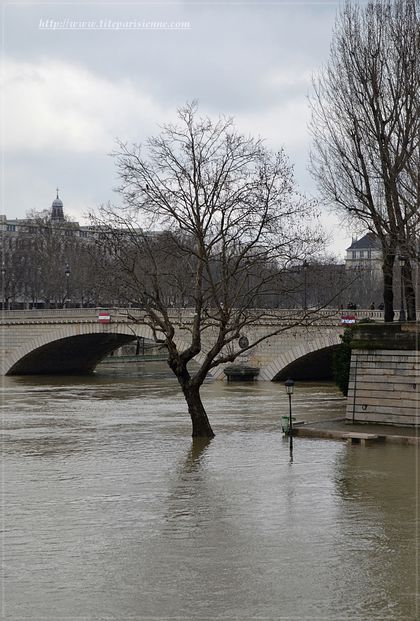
column 222, row 60
column 241, row 60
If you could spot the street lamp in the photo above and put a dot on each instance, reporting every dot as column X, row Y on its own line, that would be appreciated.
column 67, row 273
column 305, row 267
column 289, row 384
column 3, row 285
column 401, row 260
column 12, row 294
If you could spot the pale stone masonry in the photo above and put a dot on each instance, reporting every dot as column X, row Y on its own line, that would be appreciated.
column 62, row 340
column 384, row 385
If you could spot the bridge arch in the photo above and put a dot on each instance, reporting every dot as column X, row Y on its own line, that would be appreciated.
column 299, row 359
column 72, row 348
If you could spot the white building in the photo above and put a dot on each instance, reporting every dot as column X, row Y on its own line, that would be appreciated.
column 365, row 254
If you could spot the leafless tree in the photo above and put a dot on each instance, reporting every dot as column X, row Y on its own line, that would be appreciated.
column 46, row 247
column 210, row 218
column 366, row 128
column 36, row 258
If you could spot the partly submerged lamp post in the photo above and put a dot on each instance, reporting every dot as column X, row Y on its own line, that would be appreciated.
column 401, row 260
column 289, row 384
column 67, row 273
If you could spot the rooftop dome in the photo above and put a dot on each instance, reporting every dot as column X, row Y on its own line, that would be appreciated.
column 57, row 214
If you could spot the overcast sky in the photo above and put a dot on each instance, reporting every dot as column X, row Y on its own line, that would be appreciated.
column 71, row 87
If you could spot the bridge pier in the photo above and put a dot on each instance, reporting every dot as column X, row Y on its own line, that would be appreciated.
column 384, row 383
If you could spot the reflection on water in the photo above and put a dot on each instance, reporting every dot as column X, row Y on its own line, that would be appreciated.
column 112, row 512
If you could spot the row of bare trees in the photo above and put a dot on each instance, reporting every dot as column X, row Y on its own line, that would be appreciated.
column 134, row 260
column 45, row 264
column 366, row 130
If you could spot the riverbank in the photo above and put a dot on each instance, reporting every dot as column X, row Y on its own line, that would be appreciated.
column 339, row 429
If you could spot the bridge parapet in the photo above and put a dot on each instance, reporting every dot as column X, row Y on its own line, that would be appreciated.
column 268, row 317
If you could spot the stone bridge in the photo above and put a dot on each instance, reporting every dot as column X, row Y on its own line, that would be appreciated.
column 73, row 341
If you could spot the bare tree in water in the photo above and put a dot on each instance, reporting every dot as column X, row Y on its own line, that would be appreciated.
column 210, row 220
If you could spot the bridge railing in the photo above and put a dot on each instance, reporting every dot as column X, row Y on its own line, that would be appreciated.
column 53, row 313
column 184, row 314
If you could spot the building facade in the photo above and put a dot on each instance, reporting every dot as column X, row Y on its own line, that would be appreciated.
column 37, row 253
column 11, row 228
column 365, row 254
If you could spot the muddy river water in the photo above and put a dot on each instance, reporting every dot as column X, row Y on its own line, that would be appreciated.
column 111, row 512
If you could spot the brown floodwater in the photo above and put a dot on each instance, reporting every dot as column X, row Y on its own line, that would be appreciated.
column 111, row 512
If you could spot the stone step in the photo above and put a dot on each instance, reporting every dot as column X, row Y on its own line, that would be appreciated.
column 355, row 437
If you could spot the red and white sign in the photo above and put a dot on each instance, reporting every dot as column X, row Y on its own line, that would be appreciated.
column 348, row 319
column 104, row 317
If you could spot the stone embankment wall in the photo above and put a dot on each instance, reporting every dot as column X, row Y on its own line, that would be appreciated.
column 384, row 384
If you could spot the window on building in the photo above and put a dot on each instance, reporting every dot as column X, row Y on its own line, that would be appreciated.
column 353, row 254
column 362, row 254
column 11, row 227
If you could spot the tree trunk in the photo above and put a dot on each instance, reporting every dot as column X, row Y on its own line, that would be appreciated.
column 387, row 270
column 200, row 423
column 409, row 292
